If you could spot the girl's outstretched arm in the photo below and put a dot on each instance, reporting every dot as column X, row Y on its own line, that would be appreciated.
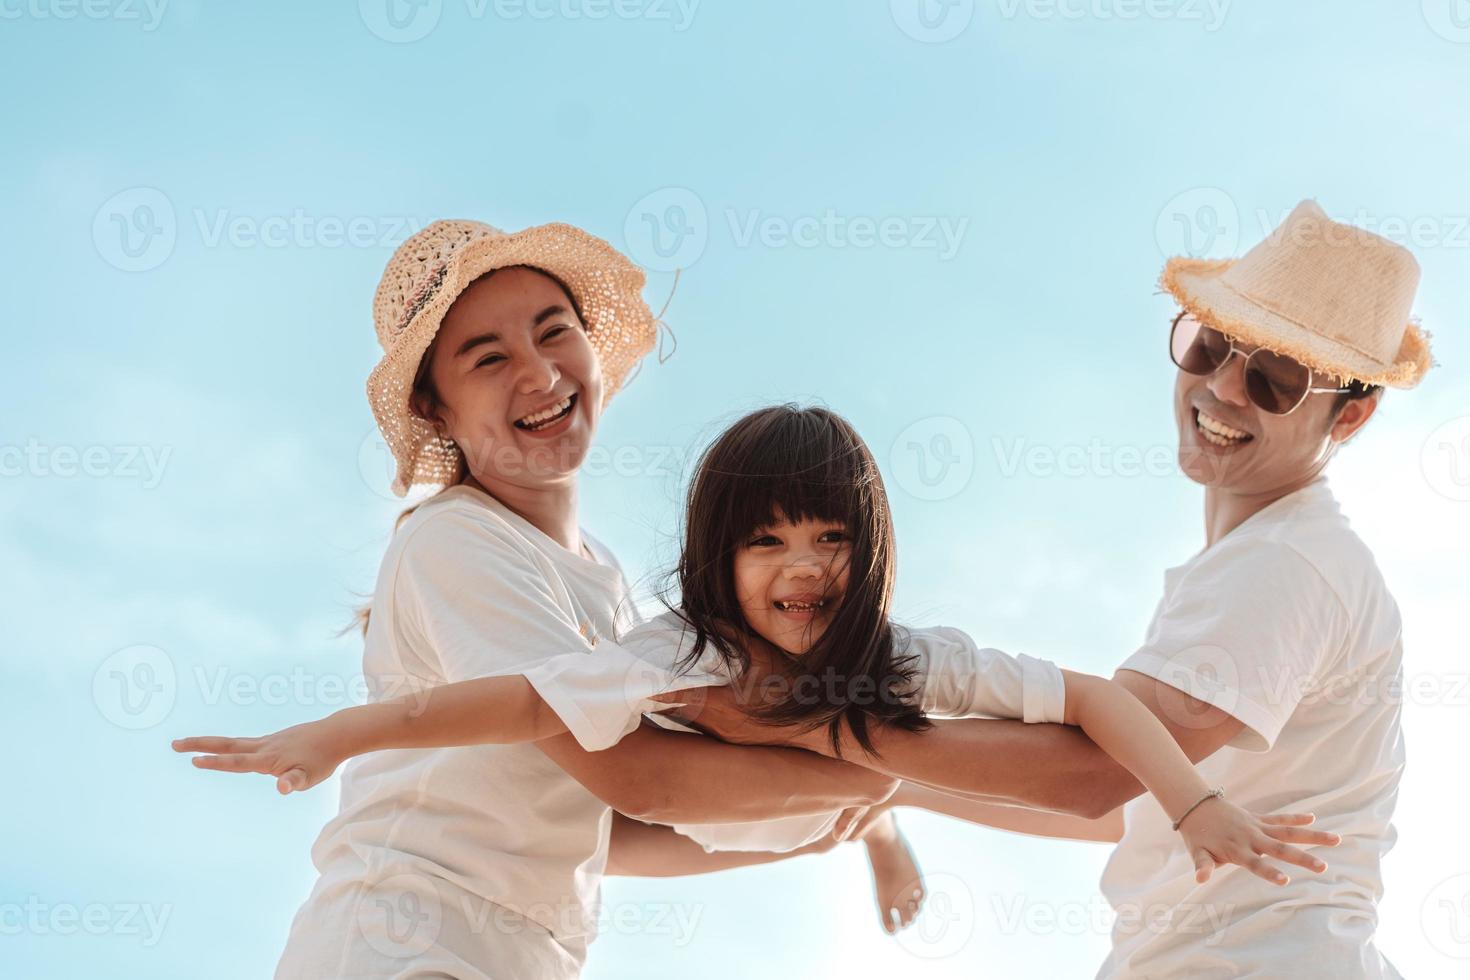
column 483, row 711
column 1016, row 819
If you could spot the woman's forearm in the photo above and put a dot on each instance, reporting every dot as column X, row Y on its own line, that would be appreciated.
column 654, row 851
column 668, row 777
column 483, row 711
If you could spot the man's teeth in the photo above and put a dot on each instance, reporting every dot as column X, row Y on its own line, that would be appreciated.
column 538, row 419
column 795, row 605
column 1218, row 433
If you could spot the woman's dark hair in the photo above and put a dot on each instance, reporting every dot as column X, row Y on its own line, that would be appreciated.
column 793, row 463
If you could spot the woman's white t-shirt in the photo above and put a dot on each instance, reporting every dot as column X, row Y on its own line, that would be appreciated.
column 603, row 698
column 469, row 589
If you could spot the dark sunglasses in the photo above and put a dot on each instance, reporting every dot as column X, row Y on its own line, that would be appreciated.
column 1274, row 382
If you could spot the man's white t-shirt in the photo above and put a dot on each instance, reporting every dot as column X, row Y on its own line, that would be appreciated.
column 469, row 589
column 1286, row 624
column 603, row 698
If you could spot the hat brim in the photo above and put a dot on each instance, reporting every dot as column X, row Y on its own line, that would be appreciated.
column 1196, row 285
column 606, row 285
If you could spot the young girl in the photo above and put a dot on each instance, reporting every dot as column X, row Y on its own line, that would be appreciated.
column 786, row 575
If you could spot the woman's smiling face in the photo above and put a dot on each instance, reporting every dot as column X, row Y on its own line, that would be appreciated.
column 791, row 578
column 519, row 385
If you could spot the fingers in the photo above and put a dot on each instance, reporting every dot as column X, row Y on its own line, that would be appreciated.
column 1289, row 819
column 1293, row 835
column 1265, row 870
column 1289, row 854
column 230, row 763
column 293, row 780
column 213, row 743
column 1204, row 865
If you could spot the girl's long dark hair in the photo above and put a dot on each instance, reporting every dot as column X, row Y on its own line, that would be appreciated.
column 797, row 463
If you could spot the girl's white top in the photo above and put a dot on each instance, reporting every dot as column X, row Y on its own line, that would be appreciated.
column 603, row 697
column 469, row 589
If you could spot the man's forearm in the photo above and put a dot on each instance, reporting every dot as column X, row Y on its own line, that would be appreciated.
column 1048, row 767
column 672, row 777
column 653, row 851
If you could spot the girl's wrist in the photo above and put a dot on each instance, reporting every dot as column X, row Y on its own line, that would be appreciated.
column 350, row 731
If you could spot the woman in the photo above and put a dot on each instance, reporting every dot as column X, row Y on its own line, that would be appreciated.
column 500, row 352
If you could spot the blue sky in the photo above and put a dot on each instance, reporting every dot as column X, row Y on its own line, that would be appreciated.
column 944, row 223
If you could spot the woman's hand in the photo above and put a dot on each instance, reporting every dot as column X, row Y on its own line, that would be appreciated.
column 1218, row 832
column 299, row 757
column 724, row 712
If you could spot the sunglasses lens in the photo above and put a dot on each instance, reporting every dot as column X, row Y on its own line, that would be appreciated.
column 1277, row 384
column 1196, row 348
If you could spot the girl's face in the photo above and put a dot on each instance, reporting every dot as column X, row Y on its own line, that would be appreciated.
column 520, row 385
column 791, row 579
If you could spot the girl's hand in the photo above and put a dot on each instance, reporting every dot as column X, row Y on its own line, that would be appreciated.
column 1219, row 832
column 299, row 757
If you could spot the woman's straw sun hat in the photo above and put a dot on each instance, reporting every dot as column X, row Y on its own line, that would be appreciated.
column 431, row 269
column 1335, row 297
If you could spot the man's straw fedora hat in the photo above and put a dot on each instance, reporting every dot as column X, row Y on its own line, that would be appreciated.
column 1333, row 296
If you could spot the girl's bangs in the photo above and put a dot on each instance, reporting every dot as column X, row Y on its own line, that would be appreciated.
column 808, row 474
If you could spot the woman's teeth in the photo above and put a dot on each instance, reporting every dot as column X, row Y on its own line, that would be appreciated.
column 1217, row 433
column 794, row 605
column 547, row 416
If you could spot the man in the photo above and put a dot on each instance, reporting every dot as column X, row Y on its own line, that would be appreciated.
column 1274, row 656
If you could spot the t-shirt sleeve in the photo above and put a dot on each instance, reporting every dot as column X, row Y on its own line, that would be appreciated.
column 602, row 695
column 1248, row 630
column 486, row 604
column 480, row 600
column 962, row 680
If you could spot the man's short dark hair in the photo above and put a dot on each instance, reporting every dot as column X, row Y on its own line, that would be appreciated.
column 1355, row 391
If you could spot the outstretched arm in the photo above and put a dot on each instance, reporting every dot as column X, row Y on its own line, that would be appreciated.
column 483, row 711
column 661, row 776
column 1017, row 819
column 1044, row 766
